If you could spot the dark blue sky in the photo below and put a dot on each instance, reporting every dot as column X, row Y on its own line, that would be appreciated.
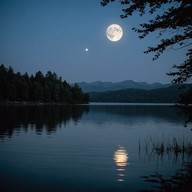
column 53, row 34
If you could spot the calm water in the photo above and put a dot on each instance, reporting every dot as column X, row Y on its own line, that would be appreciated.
column 87, row 147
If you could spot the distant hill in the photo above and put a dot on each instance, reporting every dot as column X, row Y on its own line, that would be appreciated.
column 161, row 95
column 99, row 86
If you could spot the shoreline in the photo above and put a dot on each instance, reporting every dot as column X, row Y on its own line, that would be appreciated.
column 34, row 103
column 38, row 103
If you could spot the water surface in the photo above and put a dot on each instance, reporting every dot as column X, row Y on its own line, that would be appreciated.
column 86, row 147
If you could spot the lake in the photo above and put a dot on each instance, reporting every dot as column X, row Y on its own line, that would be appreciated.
column 96, row 147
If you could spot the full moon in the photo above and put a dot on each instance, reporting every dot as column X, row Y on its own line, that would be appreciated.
column 114, row 32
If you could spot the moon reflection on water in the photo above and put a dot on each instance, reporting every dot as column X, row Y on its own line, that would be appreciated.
column 121, row 160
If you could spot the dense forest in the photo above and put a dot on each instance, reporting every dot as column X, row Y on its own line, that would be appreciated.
column 48, row 88
column 171, row 94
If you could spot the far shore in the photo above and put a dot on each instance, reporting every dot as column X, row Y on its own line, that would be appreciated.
column 33, row 103
column 90, row 103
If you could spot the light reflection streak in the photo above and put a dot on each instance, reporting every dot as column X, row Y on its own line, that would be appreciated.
column 121, row 160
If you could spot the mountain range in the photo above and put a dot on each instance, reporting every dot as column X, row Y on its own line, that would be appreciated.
column 99, row 86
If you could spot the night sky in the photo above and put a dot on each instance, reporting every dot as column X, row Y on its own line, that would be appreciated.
column 53, row 35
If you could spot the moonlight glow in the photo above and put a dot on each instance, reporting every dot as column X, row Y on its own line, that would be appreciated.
column 121, row 157
column 114, row 32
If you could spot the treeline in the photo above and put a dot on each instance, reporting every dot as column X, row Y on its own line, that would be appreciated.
column 38, row 88
column 162, row 95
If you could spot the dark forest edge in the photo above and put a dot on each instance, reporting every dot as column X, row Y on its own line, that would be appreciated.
column 172, row 94
column 38, row 88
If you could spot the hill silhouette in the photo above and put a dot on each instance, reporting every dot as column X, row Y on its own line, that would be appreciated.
column 99, row 86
